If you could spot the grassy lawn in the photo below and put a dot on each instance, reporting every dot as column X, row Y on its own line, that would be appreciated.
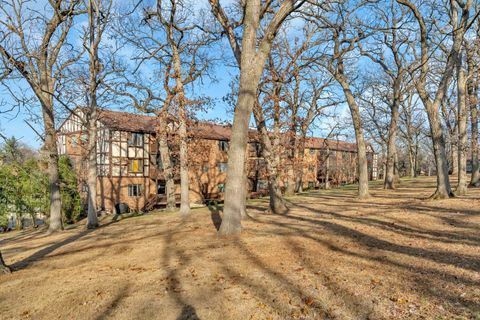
column 394, row 256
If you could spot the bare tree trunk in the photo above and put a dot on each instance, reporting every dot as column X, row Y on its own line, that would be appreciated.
column 95, row 33
column 392, row 137
column 472, row 87
column 362, row 164
column 454, row 145
column 444, row 189
column 291, row 181
column 299, row 164
column 459, row 17
column 251, row 62
column 3, row 267
column 462, row 129
column 234, row 195
column 272, row 158
column 167, row 168
column 92, row 220
column 51, row 152
column 327, row 170
column 411, row 162
column 184, row 178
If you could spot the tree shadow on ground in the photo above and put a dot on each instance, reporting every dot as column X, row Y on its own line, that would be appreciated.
column 215, row 215
column 38, row 255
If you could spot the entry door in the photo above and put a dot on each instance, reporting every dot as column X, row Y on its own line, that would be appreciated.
column 161, row 187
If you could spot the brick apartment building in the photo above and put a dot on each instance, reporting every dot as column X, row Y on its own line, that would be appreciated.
column 130, row 170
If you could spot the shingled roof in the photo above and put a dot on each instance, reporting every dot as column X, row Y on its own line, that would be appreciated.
column 125, row 121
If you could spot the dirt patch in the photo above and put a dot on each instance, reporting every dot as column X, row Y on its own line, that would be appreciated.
column 394, row 256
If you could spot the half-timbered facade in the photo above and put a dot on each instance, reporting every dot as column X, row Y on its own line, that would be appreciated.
column 130, row 171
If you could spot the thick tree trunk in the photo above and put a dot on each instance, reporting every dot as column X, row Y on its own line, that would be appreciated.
column 389, row 182
column 271, row 154
column 291, row 181
column 299, row 164
column 51, row 153
column 432, row 106
column 411, row 163
column 3, row 267
column 362, row 164
column 167, row 167
column 234, row 195
column 444, row 189
column 462, row 129
column 184, row 178
column 92, row 220
column 472, row 87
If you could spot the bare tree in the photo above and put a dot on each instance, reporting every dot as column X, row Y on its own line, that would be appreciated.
column 176, row 45
column 256, row 42
column 462, row 115
column 459, row 13
column 344, row 30
column 41, row 60
column 411, row 128
column 98, row 15
column 473, row 69
column 396, row 68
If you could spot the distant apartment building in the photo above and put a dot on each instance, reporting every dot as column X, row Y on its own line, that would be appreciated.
column 130, row 171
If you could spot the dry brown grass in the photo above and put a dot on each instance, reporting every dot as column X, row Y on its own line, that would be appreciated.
column 395, row 256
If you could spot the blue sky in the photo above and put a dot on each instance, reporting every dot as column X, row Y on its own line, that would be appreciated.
column 13, row 123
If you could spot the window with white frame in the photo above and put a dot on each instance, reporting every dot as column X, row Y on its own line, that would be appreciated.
column 223, row 145
column 135, row 166
column 135, row 139
column 135, row 190
column 262, row 185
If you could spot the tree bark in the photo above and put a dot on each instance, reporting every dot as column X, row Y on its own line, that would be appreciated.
column 182, row 123
column 51, row 152
column 443, row 183
column 167, row 166
column 3, row 267
column 392, row 137
column 184, row 178
column 362, row 164
column 472, row 88
column 327, row 170
column 92, row 220
column 462, row 129
column 251, row 62
column 234, row 202
column 271, row 155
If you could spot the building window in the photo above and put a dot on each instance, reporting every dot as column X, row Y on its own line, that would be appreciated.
column 222, row 166
column 311, row 185
column 222, row 145
column 262, row 184
column 311, row 168
column 312, row 152
column 74, row 141
column 84, row 187
column 135, row 190
column 258, row 149
column 136, row 139
column 221, row 187
column 135, row 166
